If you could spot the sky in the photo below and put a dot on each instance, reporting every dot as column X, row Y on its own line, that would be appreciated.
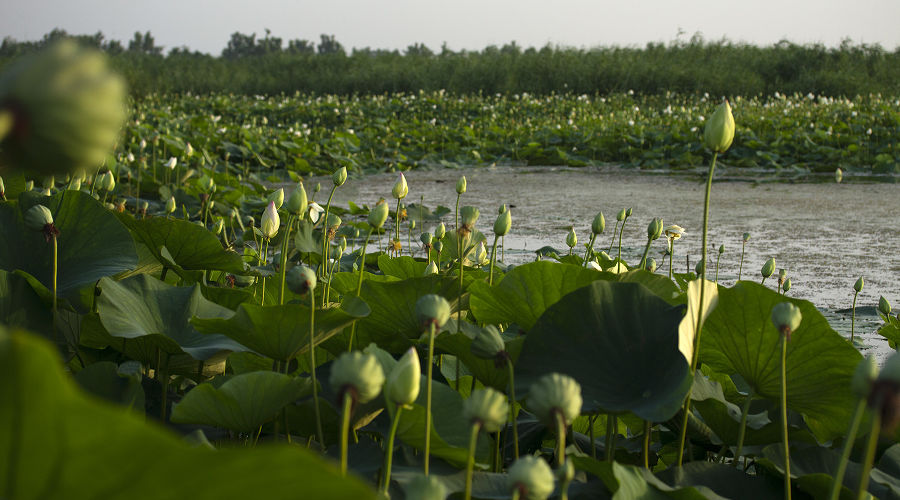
column 206, row 25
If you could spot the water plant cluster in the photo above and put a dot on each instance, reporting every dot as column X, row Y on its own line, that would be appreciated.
column 210, row 335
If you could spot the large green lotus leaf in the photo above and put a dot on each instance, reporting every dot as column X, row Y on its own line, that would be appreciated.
column 724, row 480
column 345, row 283
column 21, row 306
column 724, row 417
column 626, row 482
column 242, row 403
column 186, row 245
column 402, row 267
column 656, row 283
column 143, row 306
column 108, row 381
column 739, row 338
column 526, row 292
column 92, row 243
column 54, row 439
column 485, row 370
column 620, row 342
column 279, row 332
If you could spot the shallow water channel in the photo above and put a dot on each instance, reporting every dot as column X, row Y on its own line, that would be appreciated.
column 824, row 234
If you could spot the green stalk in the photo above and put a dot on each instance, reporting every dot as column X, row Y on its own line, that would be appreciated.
column 741, row 267
column 264, row 259
column 589, row 251
column 284, row 252
column 389, row 456
column 345, row 429
column 743, row 428
column 622, row 230
column 613, row 242
column 560, row 438
column 493, row 261
column 784, row 423
column 609, row 436
column 397, row 223
column 462, row 266
column 53, row 280
column 646, row 251
column 853, row 316
column 671, row 256
column 512, row 406
column 848, row 447
column 717, row 268
column 312, row 366
column 430, row 363
column 325, row 234
column 763, row 280
column 871, row 447
column 362, row 266
column 470, row 462
column 163, row 372
column 646, row 444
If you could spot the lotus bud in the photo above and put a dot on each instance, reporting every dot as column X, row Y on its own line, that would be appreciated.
column 481, row 257
column 143, row 144
column 400, row 189
column 787, row 285
column 655, row 229
column 431, row 268
column 786, row 317
column 334, row 221
column 317, row 188
column 170, row 205
column 858, row 286
column 598, row 224
column 357, row 372
column 188, row 150
column 628, row 212
column 571, row 238
column 884, row 306
column 339, row 177
column 621, row 215
column 106, row 181
column 219, row 226
column 699, row 267
column 469, row 216
column 863, row 376
column 719, row 131
column 651, row 265
column 49, row 182
column 488, row 343
column 37, row 217
column 270, row 222
column 721, row 249
column 297, row 201
column 746, row 237
column 838, row 175
column 172, row 163
column 46, row 192
column 300, row 280
column 342, row 245
column 461, row 185
column 277, row 197
column 425, row 238
column 438, row 246
column 432, row 309
column 412, row 223
column 212, row 204
column 402, row 385
column 768, row 268
column 488, row 407
column 378, row 215
column 531, row 477
column 555, row 393
column 439, row 231
column 503, row 223
column 424, row 487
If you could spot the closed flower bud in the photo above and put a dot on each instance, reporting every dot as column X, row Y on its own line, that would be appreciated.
column 863, row 376
column 553, row 394
column 270, row 222
column 357, row 372
column 342, row 245
column 378, row 214
column 339, row 177
column 170, row 205
column 172, row 163
column 425, row 238
column 439, row 231
column 858, row 286
column 469, row 216
column 400, row 189
column 838, row 175
column 571, row 238
column 721, row 249
column 768, row 268
column 144, row 206
column 438, row 246
column 37, row 217
column 481, row 257
column 598, row 224
column 488, row 407
column 300, row 279
column 430, row 269
column 655, row 229
column 699, row 267
column 719, row 131
column 402, row 385
column 651, row 265
column 488, row 343
column 432, row 309
column 531, row 477
column 106, row 181
column 621, row 215
column 3, row 189
column 424, row 487
column 786, row 317
column 188, row 150
column 317, row 188
column 628, row 212
column 884, row 306
column 333, row 221
column 277, row 197
column 206, row 183
column 503, row 223
column 218, row 226
column 74, row 184
column 787, row 285
column 412, row 223
column 297, row 201
column 461, row 185
column 746, row 237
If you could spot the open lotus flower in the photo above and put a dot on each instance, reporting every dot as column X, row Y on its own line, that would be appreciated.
column 315, row 211
column 172, row 163
column 674, row 232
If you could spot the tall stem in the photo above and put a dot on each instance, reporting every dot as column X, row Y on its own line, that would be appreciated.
column 462, row 266
column 284, row 252
column 53, row 280
column 429, row 361
column 671, row 256
column 646, row 444
column 397, row 224
column 560, row 438
column 345, row 429
column 470, row 462
column 362, row 267
column 264, row 259
column 742, row 430
column 717, row 268
column 609, row 437
column 848, row 447
column 871, row 447
column 784, row 422
column 312, row 366
column 324, row 265
column 493, row 257
column 622, row 230
column 389, row 456
column 512, row 406
column 613, row 241
column 646, row 251
column 589, row 251
column 741, row 267
column 853, row 317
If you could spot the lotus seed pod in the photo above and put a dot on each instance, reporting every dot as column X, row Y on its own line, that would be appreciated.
column 719, row 131
column 170, row 205
column 188, row 150
column 787, row 285
column 430, row 269
column 424, row 487
column 768, row 268
column 488, row 407
column 488, row 343
column 655, row 229
column 172, row 163
column 628, row 212
column 554, row 393
column 432, row 309
column 531, row 477
column 37, row 217
column 334, row 221
column 378, row 215
column 357, row 372
column 339, row 177
column 621, row 215
column 651, row 265
column 786, row 317
column 425, row 238
column 469, row 216
column 746, row 237
column 721, row 249
column 461, row 185
column 858, row 286
column 598, row 224
column 219, row 226
column 402, row 385
column 438, row 246
column 571, row 238
column 400, row 189
column 884, row 306
column 439, row 231
column 270, row 222
column 838, row 175
column 67, row 109
column 277, row 197
column 863, row 376
column 297, row 201
column 300, row 279
column 503, row 223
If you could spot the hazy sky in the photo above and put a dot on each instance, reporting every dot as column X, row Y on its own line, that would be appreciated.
column 206, row 25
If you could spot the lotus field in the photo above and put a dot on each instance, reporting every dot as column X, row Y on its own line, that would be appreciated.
column 192, row 320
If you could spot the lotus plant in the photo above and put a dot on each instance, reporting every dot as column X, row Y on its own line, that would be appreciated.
column 673, row 233
column 530, row 478
column 501, row 228
column 485, row 410
column 357, row 378
column 296, row 206
column 432, row 313
column 786, row 317
column 302, row 281
column 399, row 191
column 719, row 256
column 39, row 218
column 571, row 239
column 488, row 344
column 857, row 287
column 767, row 270
column 269, row 224
column 400, row 390
column 620, row 217
column 555, row 399
column 337, row 180
column 597, row 227
column 861, row 384
column 744, row 240
column 460, row 189
column 628, row 212
column 469, row 216
column 654, row 231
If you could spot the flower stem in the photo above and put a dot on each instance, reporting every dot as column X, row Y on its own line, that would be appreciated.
column 312, row 366
column 742, row 430
column 430, row 363
column 646, row 444
column 589, row 251
column 470, row 462
column 345, row 429
column 284, row 252
column 741, row 266
column 512, row 406
column 493, row 257
column 871, row 447
column 53, row 280
column 397, row 224
column 560, row 438
column 389, row 455
column 784, row 423
column 848, row 447
column 853, row 317
column 609, row 437
column 671, row 256
column 462, row 266
column 646, row 251
column 362, row 267
column 324, row 265
column 717, row 268
column 613, row 241
column 622, row 230
column 264, row 259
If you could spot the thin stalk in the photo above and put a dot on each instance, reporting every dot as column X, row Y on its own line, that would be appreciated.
column 622, row 230
column 784, row 423
column 853, row 316
column 493, row 261
column 745, row 410
column 325, row 233
column 284, row 252
column 560, row 438
column 646, row 444
column 717, row 268
column 430, row 364
column 763, row 280
column 264, row 259
column 462, row 266
column 741, row 266
column 609, row 436
column 871, row 447
column 312, row 366
column 53, row 280
column 512, row 406
column 470, row 461
column 165, row 384
column 345, row 429
column 397, row 223
column 389, row 455
column 613, row 241
column 362, row 266
column 646, row 251
column 848, row 447
column 591, row 420
column 589, row 251
column 671, row 256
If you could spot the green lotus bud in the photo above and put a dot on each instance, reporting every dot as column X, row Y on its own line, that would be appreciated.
column 342, row 245
column 317, row 188
column 838, row 175
column 172, row 163
column 768, row 268
column 480, row 258
column 571, row 238
column 655, row 229
column 400, row 189
column 782, row 274
column 721, row 249
column 598, row 224
column 378, row 215
column 488, row 343
column 297, row 201
column 628, row 212
column 787, row 285
column 270, row 221
column 188, row 150
column 699, row 268
column 67, row 108
column 359, row 373
column 425, row 238
column 402, row 385
column 884, row 306
column 339, row 177
column 503, row 223
column 412, row 223
column 863, row 376
column 439, row 231
column 170, row 205
column 858, row 286
column 651, row 265
column 469, row 216
column 2, row 189
column 554, row 393
column 786, row 317
column 488, row 407
column 531, row 477
column 621, row 215
column 206, row 183
column 300, row 279
column 430, row 269
column 109, row 183
column 719, row 131
column 276, row 197
column 438, row 246
column 746, row 237
column 219, row 226
column 461, row 185
column 144, row 206
column 502, row 209
column 432, row 309
column 423, row 487
column 37, row 217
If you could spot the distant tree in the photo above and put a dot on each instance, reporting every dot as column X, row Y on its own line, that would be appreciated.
column 113, row 47
column 144, row 44
column 297, row 46
column 419, row 49
column 328, row 45
column 240, row 45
